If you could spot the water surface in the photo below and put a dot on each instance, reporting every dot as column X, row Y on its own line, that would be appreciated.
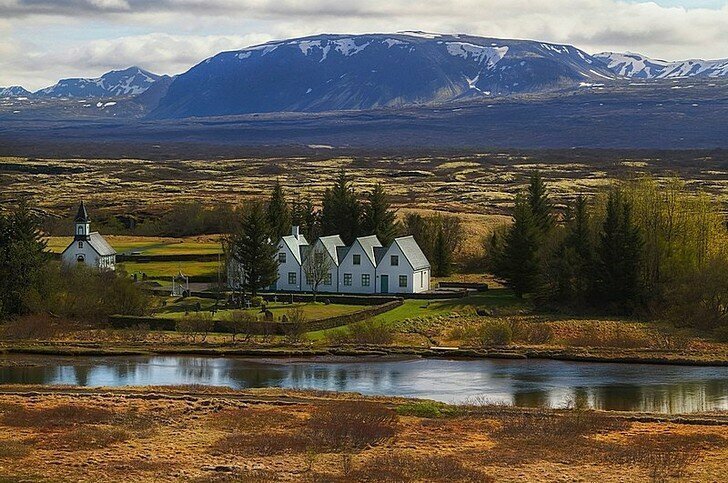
column 629, row 387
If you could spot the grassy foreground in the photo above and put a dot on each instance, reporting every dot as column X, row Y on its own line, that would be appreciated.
column 217, row 434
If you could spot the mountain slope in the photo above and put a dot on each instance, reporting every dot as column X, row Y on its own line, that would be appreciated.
column 341, row 72
column 640, row 67
column 127, row 82
column 14, row 91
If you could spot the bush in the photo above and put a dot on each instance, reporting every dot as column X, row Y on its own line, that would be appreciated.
column 368, row 332
column 256, row 301
column 426, row 409
column 295, row 325
column 530, row 332
column 495, row 333
column 398, row 466
column 239, row 322
column 196, row 325
column 348, row 425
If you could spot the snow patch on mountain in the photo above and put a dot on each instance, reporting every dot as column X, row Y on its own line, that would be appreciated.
column 638, row 66
column 479, row 53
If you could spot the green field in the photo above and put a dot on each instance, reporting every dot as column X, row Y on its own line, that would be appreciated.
column 176, row 308
column 168, row 269
column 148, row 245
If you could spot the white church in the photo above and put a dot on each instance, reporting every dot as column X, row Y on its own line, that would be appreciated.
column 364, row 267
column 89, row 248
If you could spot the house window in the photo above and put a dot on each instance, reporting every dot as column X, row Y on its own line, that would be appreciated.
column 80, row 244
column 394, row 260
column 356, row 259
column 347, row 279
column 327, row 279
column 282, row 257
column 309, row 280
column 291, row 278
column 403, row 281
column 365, row 280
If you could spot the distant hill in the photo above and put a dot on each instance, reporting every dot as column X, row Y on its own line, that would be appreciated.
column 14, row 91
column 127, row 82
column 640, row 67
column 343, row 72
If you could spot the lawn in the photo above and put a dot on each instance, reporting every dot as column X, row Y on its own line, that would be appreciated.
column 148, row 245
column 176, row 308
column 168, row 269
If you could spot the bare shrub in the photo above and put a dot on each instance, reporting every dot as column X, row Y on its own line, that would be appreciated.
column 249, row 420
column 261, row 443
column 195, row 326
column 15, row 415
column 35, row 327
column 342, row 425
column 240, row 322
column 530, row 332
column 402, row 467
column 495, row 333
column 618, row 334
column 295, row 328
column 368, row 332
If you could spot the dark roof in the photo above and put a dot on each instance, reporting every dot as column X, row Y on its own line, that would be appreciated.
column 82, row 214
column 369, row 244
column 99, row 244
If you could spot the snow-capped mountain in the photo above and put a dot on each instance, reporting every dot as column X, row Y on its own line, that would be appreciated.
column 127, row 82
column 638, row 66
column 338, row 72
column 14, row 91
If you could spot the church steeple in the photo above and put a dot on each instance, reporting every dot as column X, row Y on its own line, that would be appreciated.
column 83, row 224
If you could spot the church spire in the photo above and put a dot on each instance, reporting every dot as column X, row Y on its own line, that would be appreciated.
column 82, row 214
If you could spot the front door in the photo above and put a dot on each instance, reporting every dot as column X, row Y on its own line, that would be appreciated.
column 384, row 283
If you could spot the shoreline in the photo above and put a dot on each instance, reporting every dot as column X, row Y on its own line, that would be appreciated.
column 569, row 354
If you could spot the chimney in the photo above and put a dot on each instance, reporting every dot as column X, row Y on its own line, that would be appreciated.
column 296, row 231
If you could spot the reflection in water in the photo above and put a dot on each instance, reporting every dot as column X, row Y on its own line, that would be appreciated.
column 636, row 387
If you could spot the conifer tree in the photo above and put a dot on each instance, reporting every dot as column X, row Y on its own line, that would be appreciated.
column 253, row 247
column 341, row 210
column 278, row 213
column 518, row 263
column 305, row 216
column 378, row 218
column 442, row 256
column 620, row 254
column 540, row 205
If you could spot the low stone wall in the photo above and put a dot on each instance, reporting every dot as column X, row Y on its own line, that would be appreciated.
column 479, row 286
column 262, row 327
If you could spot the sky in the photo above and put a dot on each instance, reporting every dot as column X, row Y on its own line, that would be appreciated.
column 42, row 41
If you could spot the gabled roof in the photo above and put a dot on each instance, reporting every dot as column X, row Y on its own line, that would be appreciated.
column 81, row 214
column 330, row 243
column 412, row 252
column 369, row 244
column 379, row 253
column 341, row 253
column 99, row 244
column 295, row 245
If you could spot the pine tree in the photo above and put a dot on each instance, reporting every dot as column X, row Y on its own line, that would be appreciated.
column 442, row 256
column 22, row 258
column 518, row 262
column 253, row 247
column 341, row 210
column 278, row 214
column 305, row 216
column 620, row 254
column 378, row 217
column 540, row 205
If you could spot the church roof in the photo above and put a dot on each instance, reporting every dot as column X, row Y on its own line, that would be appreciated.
column 100, row 245
column 82, row 214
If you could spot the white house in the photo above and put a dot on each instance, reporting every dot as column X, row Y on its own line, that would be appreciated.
column 88, row 248
column 291, row 251
column 358, row 267
column 402, row 267
column 331, row 247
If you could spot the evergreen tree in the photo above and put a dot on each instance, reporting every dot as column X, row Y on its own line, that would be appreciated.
column 620, row 254
column 518, row 262
column 341, row 210
column 252, row 246
column 278, row 214
column 378, row 217
column 442, row 256
column 22, row 259
column 305, row 216
column 540, row 205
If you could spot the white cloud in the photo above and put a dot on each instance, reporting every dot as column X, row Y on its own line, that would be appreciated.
column 171, row 35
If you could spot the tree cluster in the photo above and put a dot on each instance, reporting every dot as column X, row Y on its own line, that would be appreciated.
column 659, row 250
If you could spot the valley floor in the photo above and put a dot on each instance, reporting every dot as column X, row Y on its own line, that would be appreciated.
column 215, row 434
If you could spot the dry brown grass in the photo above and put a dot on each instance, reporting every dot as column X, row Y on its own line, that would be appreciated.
column 62, row 415
column 406, row 467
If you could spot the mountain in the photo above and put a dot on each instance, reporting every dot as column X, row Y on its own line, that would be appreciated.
column 640, row 67
column 342, row 72
column 127, row 82
column 150, row 98
column 14, row 91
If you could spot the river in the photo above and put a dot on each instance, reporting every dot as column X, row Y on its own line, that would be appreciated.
column 530, row 383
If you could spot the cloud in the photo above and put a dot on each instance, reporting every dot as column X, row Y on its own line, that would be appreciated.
column 172, row 35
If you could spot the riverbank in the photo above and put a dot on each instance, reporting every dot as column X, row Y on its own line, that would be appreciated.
column 218, row 434
column 582, row 354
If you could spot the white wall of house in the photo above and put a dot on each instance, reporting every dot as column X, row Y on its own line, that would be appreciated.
column 399, row 275
column 289, row 270
column 82, row 252
column 357, row 277
column 332, row 281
